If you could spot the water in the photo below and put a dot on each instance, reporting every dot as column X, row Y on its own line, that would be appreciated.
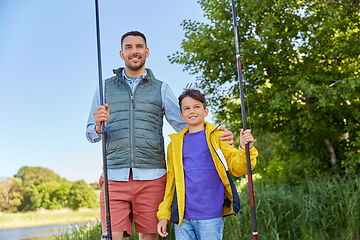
column 39, row 232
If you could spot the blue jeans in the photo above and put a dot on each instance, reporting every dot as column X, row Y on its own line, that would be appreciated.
column 207, row 229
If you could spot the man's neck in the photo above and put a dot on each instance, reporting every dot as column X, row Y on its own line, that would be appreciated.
column 131, row 73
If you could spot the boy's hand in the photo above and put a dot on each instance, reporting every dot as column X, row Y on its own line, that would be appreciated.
column 101, row 114
column 226, row 136
column 246, row 137
column 161, row 227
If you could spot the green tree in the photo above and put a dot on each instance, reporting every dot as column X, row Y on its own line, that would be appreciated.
column 301, row 72
column 60, row 196
column 46, row 190
column 33, row 176
column 95, row 185
column 11, row 194
column 82, row 195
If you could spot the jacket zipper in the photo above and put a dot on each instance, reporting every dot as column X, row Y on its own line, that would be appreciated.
column 218, row 155
column 212, row 143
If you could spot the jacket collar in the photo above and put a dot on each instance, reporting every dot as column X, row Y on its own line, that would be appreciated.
column 180, row 135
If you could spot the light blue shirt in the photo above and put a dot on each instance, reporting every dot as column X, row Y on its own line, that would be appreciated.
column 171, row 111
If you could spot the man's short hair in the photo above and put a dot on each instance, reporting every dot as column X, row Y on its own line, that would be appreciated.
column 132, row 33
column 194, row 94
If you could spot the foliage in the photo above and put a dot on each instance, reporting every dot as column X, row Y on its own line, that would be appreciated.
column 36, row 187
column 93, row 231
column 301, row 75
column 95, row 185
column 82, row 195
column 318, row 209
column 33, row 176
column 10, row 194
column 90, row 231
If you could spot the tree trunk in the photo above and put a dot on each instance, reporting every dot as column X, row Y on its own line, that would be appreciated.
column 332, row 151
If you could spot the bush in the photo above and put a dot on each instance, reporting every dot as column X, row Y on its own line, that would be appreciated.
column 82, row 195
column 317, row 209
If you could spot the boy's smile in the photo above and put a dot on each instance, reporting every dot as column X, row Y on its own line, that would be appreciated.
column 193, row 113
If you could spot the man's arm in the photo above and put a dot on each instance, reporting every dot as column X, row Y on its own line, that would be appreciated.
column 172, row 113
column 171, row 108
column 226, row 136
column 91, row 134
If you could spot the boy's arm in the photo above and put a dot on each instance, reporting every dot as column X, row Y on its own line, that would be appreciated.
column 164, row 210
column 236, row 159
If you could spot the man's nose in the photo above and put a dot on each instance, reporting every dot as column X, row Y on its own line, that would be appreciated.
column 134, row 50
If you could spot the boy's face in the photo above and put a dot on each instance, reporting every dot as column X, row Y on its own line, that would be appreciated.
column 193, row 112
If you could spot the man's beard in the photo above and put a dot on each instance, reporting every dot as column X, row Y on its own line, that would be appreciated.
column 134, row 68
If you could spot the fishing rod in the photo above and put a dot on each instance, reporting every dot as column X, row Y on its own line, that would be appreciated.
column 108, row 235
column 243, row 115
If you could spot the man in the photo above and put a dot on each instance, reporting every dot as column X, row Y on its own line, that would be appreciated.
column 133, row 114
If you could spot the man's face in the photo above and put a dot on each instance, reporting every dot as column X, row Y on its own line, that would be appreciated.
column 134, row 53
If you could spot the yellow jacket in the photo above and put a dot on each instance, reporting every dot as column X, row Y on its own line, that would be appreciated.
column 226, row 159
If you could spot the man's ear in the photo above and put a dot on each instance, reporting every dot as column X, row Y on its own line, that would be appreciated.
column 147, row 52
column 121, row 54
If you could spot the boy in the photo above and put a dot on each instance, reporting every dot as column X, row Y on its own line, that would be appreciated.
column 199, row 190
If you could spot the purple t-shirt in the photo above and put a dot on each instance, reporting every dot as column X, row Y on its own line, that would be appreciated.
column 204, row 190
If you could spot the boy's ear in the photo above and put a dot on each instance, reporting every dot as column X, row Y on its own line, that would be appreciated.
column 182, row 117
column 206, row 112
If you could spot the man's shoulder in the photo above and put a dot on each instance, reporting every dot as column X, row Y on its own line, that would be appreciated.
column 110, row 80
column 150, row 75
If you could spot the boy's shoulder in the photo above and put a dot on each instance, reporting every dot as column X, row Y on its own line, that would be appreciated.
column 212, row 128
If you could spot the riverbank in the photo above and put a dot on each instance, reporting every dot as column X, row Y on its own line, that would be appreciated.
column 47, row 217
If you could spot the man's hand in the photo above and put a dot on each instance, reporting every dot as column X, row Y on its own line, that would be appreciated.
column 246, row 137
column 226, row 136
column 161, row 227
column 101, row 114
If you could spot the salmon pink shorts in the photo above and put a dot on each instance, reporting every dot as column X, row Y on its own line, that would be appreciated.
column 133, row 200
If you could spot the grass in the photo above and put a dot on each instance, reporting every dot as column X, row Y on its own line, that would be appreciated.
column 47, row 217
column 93, row 232
column 316, row 210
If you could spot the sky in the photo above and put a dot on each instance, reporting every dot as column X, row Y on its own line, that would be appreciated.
column 49, row 73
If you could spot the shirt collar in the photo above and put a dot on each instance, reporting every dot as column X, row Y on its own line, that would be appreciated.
column 140, row 77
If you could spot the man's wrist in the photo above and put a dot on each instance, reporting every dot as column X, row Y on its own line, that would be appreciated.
column 98, row 132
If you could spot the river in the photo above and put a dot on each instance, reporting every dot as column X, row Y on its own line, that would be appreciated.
column 39, row 232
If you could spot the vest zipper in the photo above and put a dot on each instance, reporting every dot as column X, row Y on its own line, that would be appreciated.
column 132, row 123
column 132, row 129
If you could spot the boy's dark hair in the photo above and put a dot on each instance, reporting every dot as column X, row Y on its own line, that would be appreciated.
column 194, row 94
column 132, row 33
